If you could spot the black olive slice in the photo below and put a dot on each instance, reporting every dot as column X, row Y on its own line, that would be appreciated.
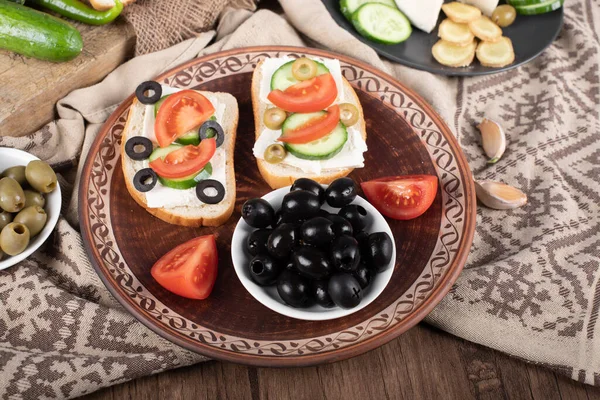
column 138, row 148
column 145, row 179
column 201, row 189
column 204, row 131
column 154, row 89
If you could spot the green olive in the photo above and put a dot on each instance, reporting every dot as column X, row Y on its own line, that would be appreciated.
column 34, row 218
column 33, row 198
column 14, row 238
column 275, row 153
column 348, row 114
column 274, row 118
column 17, row 173
column 304, row 69
column 5, row 218
column 12, row 197
column 40, row 176
column 504, row 15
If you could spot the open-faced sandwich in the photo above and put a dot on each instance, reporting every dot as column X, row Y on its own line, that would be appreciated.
column 309, row 121
column 177, row 154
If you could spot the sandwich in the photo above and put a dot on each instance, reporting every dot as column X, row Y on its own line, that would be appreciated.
column 309, row 122
column 177, row 154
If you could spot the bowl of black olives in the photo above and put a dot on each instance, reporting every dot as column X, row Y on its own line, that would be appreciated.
column 313, row 252
column 30, row 202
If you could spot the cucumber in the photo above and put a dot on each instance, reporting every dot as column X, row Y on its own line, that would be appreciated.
column 159, row 103
column 162, row 152
column 193, row 137
column 36, row 34
column 283, row 78
column 321, row 149
column 381, row 23
column 541, row 7
column 349, row 6
column 189, row 181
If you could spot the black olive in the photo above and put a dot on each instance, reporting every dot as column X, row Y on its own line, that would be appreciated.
column 278, row 219
column 264, row 270
column 300, row 205
column 258, row 213
column 311, row 263
column 311, row 186
column 154, row 95
column 363, row 275
column 324, row 213
column 321, row 294
column 210, row 129
column 294, row 289
column 340, row 192
column 345, row 254
column 341, row 226
column 144, row 180
column 257, row 241
column 282, row 241
column 345, row 291
column 362, row 238
column 380, row 250
column 356, row 215
column 291, row 266
column 138, row 148
column 317, row 231
column 208, row 185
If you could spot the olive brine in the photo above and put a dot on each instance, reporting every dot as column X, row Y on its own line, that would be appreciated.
column 310, row 254
column 22, row 201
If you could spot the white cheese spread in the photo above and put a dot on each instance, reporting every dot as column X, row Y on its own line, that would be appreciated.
column 423, row 14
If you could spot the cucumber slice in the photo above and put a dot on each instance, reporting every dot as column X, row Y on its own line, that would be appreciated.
column 381, row 23
column 159, row 103
column 188, row 181
column 524, row 2
column 540, row 8
column 162, row 152
column 349, row 6
column 283, row 78
column 321, row 149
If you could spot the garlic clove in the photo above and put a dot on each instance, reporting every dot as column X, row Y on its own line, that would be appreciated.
column 494, row 139
column 499, row 196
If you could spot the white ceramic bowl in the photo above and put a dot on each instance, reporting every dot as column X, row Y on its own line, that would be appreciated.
column 13, row 157
column 269, row 297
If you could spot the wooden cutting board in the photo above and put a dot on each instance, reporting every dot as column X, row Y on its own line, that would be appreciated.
column 29, row 88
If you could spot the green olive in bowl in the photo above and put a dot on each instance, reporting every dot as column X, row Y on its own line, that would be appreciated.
column 33, row 198
column 34, row 218
column 41, row 176
column 12, row 197
column 5, row 218
column 14, row 238
column 17, row 173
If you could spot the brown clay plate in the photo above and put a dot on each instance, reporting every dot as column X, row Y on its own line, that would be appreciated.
column 405, row 136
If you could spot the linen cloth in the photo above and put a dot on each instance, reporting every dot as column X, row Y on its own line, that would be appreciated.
column 530, row 287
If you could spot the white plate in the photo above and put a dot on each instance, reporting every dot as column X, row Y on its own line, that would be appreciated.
column 11, row 158
column 269, row 297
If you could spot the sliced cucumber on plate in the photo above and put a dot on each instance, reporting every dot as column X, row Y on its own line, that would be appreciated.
column 535, row 7
column 188, row 181
column 381, row 23
column 283, row 77
column 321, row 149
column 349, row 6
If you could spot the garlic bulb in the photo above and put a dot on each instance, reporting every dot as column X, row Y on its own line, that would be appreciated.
column 494, row 139
column 499, row 196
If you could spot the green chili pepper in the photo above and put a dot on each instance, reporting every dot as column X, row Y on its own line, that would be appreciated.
column 78, row 11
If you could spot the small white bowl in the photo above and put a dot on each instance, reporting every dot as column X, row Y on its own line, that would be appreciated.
column 269, row 297
column 11, row 158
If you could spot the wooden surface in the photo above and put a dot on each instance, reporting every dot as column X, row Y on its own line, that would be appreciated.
column 424, row 363
column 30, row 88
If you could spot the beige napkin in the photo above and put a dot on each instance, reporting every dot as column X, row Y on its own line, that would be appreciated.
column 531, row 284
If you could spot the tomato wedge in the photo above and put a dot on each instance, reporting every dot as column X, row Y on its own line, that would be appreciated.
column 185, row 161
column 190, row 269
column 402, row 197
column 312, row 95
column 180, row 113
column 315, row 128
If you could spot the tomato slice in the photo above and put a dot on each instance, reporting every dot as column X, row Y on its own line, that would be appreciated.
column 180, row 113
column 402, row 197
column 190, row 269
column 315, row 128
column 185, row 161
column 312, row 95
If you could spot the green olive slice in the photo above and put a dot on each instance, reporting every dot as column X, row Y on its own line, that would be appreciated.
column 274, row 118
column 504, row 15
column 275, row 153
column 304, row 69
column 348, row 114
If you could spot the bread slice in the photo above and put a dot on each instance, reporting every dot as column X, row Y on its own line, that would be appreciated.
column 201, row 215
column 280, row 175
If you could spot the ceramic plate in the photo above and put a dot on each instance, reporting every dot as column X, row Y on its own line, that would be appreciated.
column 530, row 35
column 405, row 136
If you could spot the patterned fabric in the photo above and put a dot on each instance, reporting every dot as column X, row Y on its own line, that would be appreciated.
column 530, row 287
